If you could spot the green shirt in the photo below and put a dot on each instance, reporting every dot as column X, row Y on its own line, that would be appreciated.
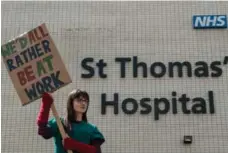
column 82, row 131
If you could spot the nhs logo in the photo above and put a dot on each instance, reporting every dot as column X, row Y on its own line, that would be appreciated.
column 209, row 21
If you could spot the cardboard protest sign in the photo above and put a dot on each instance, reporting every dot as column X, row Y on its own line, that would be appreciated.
column 34, row 64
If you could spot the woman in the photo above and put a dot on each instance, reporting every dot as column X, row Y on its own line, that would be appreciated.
column 83, row 136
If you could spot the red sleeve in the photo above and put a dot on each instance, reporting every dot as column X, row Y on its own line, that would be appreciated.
column 71, row 144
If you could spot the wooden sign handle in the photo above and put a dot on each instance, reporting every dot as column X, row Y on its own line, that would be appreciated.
column 59, row 123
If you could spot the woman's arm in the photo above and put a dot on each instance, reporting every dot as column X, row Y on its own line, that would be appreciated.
column 71, row 144
column 42, row 118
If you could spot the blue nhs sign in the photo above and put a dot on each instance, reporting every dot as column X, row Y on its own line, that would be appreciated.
column 209, row 21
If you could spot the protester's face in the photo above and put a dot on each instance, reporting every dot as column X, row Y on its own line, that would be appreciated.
column 80, row 105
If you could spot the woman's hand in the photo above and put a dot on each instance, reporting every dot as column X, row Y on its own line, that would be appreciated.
column 47, row 98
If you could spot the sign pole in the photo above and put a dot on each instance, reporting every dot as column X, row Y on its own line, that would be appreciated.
column 59, row 123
